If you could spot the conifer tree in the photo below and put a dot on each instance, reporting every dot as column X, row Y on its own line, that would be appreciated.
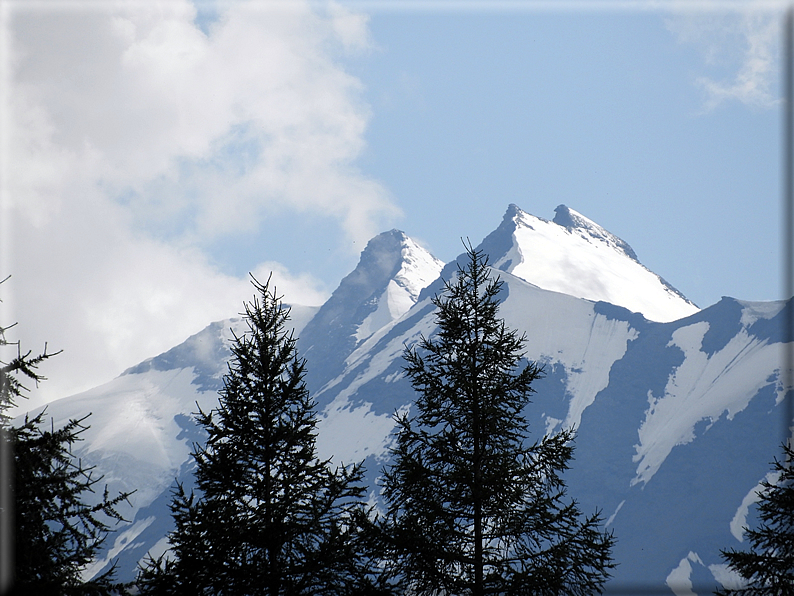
column 472, row 509
column 48, row 530
column 57, row 532
column 768, row 568
column 268, row 517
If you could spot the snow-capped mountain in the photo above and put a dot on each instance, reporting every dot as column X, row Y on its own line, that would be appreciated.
column 391, row 273
column 576, row 256
column 677, row 410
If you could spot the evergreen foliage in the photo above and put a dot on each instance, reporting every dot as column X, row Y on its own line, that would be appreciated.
column 269, row 516
column 768, row 569
column 57, row 533
column 472, row 508
column 49, row 532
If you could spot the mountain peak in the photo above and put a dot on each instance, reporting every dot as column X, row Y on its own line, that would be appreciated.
column 390, row 240
column 391, row 256
column 575, row 221
column 512, row 211
column 574, row 255
column 386, row 283
column 381, row 257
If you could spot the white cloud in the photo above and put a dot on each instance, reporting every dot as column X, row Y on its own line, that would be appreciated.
column 132, row 139
column 742, row 47
column 210, row 130
column 110, row 298
column 300, row 289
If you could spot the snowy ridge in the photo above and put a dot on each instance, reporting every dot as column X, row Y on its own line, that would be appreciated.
column 575, row 256
column 207, row 351
column 575, row 222
column 390, row 275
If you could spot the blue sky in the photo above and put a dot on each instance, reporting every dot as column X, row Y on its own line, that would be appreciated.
column 154, row 154
column 602, row 111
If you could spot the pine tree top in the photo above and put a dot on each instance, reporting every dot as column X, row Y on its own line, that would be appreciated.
column 473, row 358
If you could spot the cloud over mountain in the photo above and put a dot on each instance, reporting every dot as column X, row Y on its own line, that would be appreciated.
column 133, row 139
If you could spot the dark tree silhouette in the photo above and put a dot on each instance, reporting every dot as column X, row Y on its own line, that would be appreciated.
column 472, row 508
column 49, row 532
column 269, row 517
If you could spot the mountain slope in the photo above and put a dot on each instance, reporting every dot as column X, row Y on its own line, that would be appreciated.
column 673, row 417
column 142, row 429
